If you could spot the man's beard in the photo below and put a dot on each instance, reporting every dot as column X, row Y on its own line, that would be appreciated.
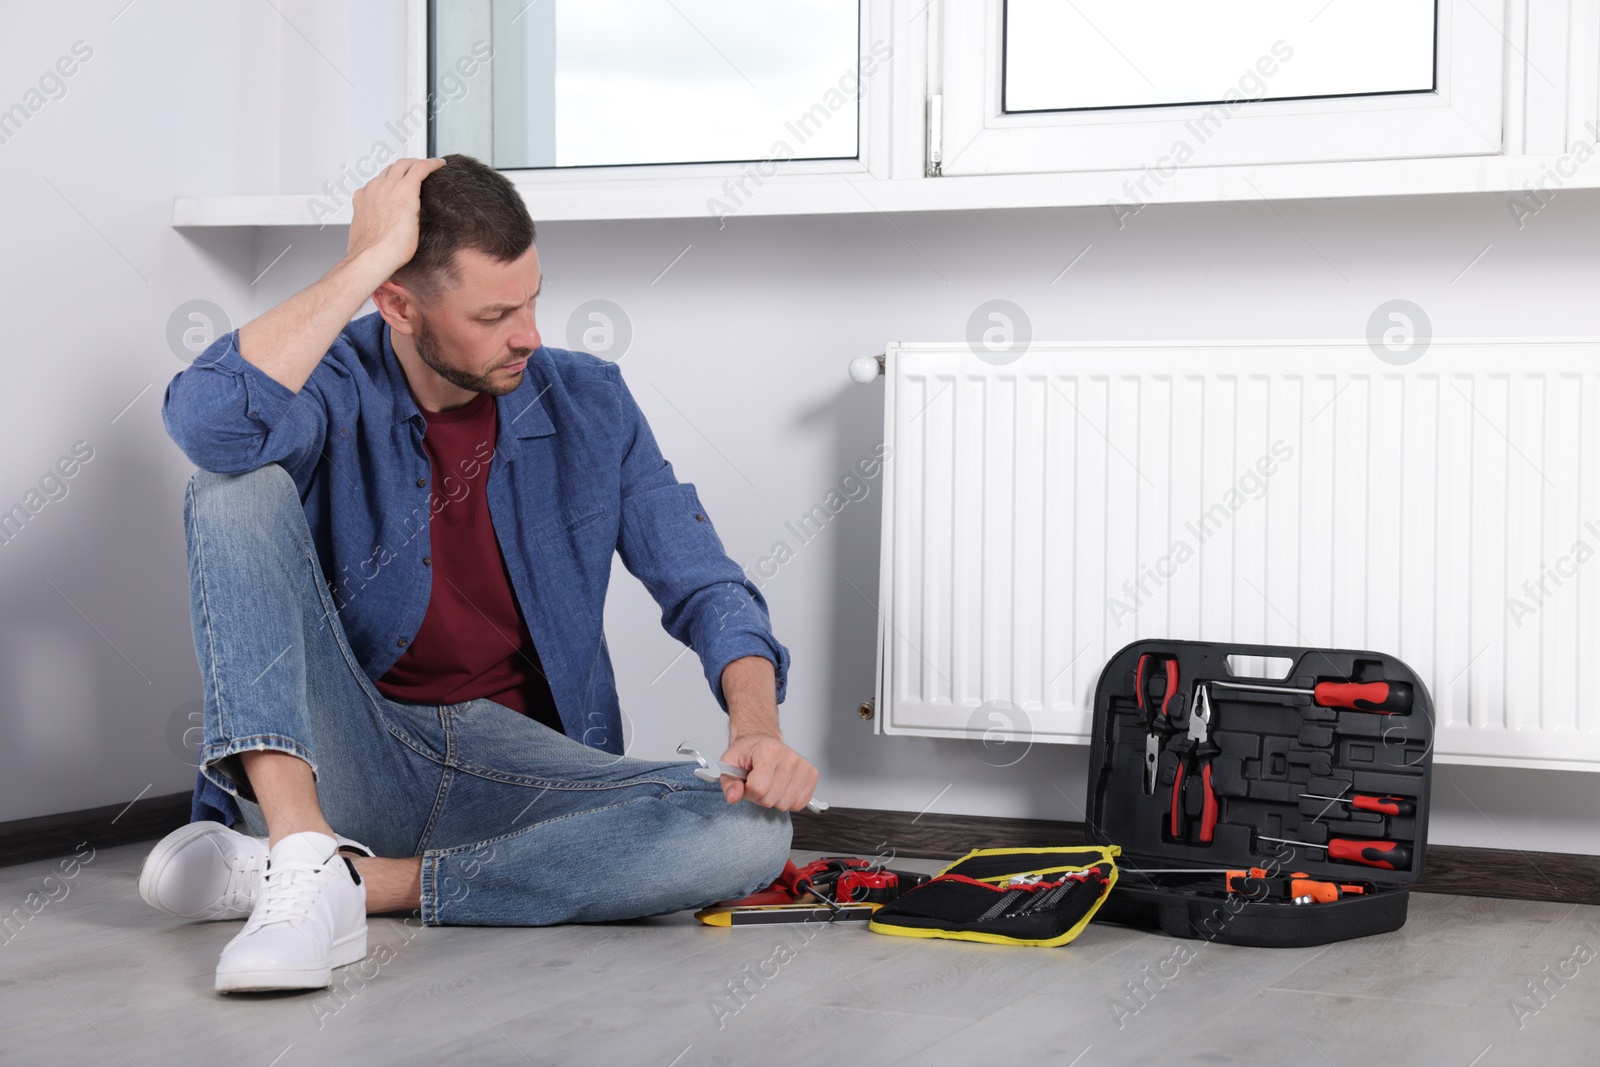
column 428, row 350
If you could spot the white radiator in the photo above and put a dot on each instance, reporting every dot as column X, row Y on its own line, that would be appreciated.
column 1039, row 515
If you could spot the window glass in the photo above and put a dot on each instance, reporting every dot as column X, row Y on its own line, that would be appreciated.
column 619, row 82
column 1077, row 54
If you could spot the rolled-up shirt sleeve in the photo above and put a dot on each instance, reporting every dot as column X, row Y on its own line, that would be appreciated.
column 668, row 543
column 229, row 416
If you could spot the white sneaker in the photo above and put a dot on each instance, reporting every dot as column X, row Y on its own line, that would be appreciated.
column 310, row 916
column 206, row 871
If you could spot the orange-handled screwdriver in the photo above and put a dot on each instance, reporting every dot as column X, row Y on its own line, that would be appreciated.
column 1300, row 885
column 1380, row 698
column 1363, row 802
column 1386, row 854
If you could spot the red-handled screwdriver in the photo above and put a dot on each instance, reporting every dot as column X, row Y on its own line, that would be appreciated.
column 1380, row 698
column 1362, row 802
column 1386, row 854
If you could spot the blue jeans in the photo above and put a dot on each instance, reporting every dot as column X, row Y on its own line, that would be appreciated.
column 516, row 824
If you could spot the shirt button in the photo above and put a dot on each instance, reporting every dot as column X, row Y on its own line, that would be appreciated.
column 699, row 518
column 402, row 642
column 427, row 561
column 421, row 482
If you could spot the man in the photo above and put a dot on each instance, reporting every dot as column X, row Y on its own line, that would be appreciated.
column 399, row 542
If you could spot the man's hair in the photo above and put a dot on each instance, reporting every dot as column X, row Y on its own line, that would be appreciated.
column 465, row 204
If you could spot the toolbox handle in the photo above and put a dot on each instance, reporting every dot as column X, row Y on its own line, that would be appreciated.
column 1278, row 668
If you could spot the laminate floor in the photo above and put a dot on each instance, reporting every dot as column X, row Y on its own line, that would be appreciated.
column 97, row 977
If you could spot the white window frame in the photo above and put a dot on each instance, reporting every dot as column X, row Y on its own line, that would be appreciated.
column 746, row 178
column 1543, row 105
column 1462, row 117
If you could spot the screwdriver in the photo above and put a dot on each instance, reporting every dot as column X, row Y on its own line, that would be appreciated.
column 1386, row 854
column 1362, row 802
column 1300, row 884
column 1380, row 698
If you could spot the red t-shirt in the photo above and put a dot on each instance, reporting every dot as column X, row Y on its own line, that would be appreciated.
column 473, row 641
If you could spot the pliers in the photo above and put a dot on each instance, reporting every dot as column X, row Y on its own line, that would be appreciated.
column 712, row 770
column 1199, row 747
column 1160, row 724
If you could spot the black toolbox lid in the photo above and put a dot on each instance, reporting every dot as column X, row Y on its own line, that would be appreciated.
column 1272, row 747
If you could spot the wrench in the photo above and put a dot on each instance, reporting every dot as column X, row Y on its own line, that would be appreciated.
column 712, row 770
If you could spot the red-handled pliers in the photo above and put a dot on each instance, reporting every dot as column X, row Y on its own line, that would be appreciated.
column 1158, row 722
column 1198, row 745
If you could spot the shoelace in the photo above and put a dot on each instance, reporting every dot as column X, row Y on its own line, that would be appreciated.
column 244, row 884
column 284, row 891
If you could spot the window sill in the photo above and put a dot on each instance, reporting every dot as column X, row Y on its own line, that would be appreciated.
column 831, row 194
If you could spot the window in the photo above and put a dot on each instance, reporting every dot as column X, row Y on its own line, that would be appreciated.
column 681, row 108
column 1033, row 86
column 1116, row 53
column 609, row 83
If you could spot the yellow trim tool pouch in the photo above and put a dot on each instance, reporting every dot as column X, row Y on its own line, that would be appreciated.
column 1006, row 896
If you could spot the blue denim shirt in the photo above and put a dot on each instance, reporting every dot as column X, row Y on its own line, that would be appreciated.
column 575, row 477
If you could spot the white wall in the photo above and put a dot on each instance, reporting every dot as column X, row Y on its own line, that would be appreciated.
column 94, row 648
column 738, row 358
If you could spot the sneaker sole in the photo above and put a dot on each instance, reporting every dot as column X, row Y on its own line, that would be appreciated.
column 155, row 864
column 352, row 948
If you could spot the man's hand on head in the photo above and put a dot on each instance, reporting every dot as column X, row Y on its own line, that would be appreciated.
column 386, row 212
column 779, row 776
column 288, row 342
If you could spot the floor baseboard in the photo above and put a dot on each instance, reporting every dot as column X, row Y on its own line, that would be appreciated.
column 48, row 836
column 1475, row 872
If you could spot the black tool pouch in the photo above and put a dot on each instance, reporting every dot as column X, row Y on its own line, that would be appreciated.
column 1006, row 896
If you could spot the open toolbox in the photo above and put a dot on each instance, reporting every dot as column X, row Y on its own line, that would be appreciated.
column 1313, row 783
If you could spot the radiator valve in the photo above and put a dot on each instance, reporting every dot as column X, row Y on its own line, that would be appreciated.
column 866, row 368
